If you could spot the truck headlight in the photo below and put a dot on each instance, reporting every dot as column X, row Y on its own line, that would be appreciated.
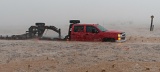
column 119, row 35
column 119, row 38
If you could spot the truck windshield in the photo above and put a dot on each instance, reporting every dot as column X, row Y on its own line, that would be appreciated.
column 101, row 28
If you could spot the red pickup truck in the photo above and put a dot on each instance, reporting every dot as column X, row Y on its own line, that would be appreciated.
column 93, row 32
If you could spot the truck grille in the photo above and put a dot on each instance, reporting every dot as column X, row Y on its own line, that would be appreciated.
column 123, row 36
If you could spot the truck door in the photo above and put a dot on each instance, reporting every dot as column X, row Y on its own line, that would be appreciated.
column 77, row 33
column 92, row 34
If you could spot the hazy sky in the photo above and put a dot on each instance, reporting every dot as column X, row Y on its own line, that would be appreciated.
column 23, row 13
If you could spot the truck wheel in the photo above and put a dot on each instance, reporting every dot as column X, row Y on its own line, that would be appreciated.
column 108, row 40
column 112, row 40
column 105, row 40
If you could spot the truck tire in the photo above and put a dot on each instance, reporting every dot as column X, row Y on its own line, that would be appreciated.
column 112, row 40
column 74, row 21
column 105, row 40
column 108, row 40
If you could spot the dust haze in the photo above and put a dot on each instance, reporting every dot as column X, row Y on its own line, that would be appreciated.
column 140, row 52
column 18, row 15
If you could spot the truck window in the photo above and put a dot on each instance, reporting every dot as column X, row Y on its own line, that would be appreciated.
column 78, row 28
column 102, row 28
column 90, row 29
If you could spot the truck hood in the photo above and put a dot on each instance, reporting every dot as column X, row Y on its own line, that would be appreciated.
column 113, row 31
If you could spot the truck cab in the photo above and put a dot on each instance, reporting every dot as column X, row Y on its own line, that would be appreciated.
column 93, row 32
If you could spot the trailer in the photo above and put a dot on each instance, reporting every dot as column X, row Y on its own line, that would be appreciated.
column 33, row 32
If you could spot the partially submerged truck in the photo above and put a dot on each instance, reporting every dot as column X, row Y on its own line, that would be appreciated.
column 76, row 32
column 93, row 32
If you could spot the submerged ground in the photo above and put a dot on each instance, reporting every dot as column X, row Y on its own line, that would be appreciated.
column 140, row 53
column 70, row 56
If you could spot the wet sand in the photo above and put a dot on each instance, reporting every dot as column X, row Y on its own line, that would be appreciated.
column 140, row 53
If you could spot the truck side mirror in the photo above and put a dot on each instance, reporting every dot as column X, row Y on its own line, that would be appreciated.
column 94, row 31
